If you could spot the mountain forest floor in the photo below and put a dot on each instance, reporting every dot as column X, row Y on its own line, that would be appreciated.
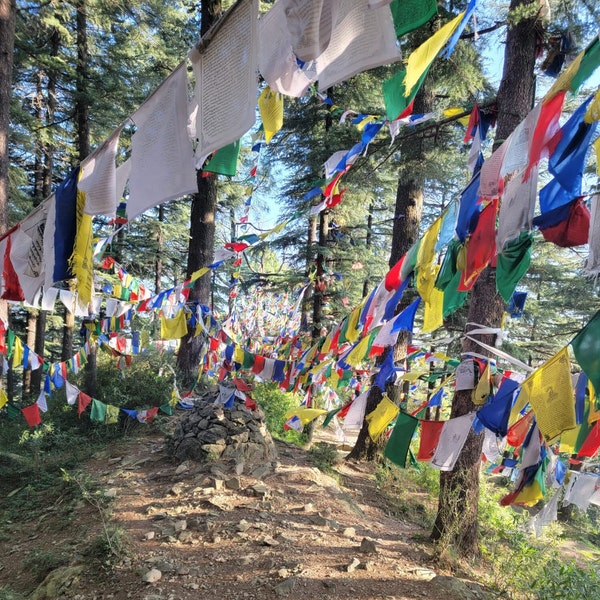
column 135, row 524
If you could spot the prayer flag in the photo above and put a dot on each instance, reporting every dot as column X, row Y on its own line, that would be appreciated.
column 398, row 445
column 420, row 60
column 549, row 390
column 32, row 415
column 512, row 264
column 98, row 412
column 224, row 161
column 270, row 105
column 174, row 328
column 385, row 412
column 411, row 14
column 586, row 347
column 430, row 434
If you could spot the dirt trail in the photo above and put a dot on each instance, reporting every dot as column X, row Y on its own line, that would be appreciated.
column 204, row 531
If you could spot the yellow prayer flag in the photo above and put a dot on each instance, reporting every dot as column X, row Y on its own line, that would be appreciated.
column 530, row 495
column 325, row 348
column 370, row 119
column 433, row 317
column 3, row 398
column 413, row 375
column 549, row 390
column 17, row 353
column 451, row 112
column 381, row 417
column 597, row 149
column 238, row 354
column 199, row 273
column 564, row 80
column 270, row 105
column 175, row 328
column 483, row 390
column 594, row 414
column 358, row 353
column 425, row 270
column 306, row 415
column 112, row 414
column 568, row 440
column 353, row 329
column 592, row 114
column 82, row 259
column 424, row 55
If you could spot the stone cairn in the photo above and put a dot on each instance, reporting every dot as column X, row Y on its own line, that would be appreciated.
column 210, row 432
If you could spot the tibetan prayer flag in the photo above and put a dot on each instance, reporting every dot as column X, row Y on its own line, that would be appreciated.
column 411, row 14
column 83, row 401
column 430, row 434
column 32, row 415
column 398, row 445
column 592, row 442
column 517, row 432
column 270, row 105
column 81, row 262
column 224, row 161
column 64, row 228
column 574, row 229
column 306, row 415
column 433, row 315
column 496, row 412
column 549, row 390
column 3, row 398
column 112, row 414
column 385, row 412
column 512, row 264
column 590, row 60
column 420, row 60
column 397, row 104
column 483, row 390
column 461, row 27
column 98, row 412
column 586, row 347
column 175, row 328
column 567, row 162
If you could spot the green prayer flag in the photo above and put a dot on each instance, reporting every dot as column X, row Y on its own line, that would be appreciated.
column 393, row 93
column 589, row 63
column 448, row 268
column 586, row 346
column 12, row 411
column 249, row 360
column 98, row 412
column 329, row 416
column 453, row 298
column 410, row 14
column 398, row 445
column 513, row 263
column 410, row 261
column 224, row 161
column 166, row 408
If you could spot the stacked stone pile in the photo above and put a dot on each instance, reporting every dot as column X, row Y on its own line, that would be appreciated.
column 210, row 432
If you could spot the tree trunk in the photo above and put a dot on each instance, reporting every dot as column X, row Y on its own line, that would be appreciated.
column 202, row 236
column 158, row 263
column 407, row 219
column 7, row 43
column 457, row 518
column 39, row 347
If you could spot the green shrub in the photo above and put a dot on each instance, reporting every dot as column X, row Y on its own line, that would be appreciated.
column 324, row 456
column 567, row 582
column 275, row 405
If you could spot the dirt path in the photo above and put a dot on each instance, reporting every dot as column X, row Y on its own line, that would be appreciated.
column 282, row 529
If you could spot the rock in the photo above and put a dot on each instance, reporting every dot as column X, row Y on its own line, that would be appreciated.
column 152, row 576
column 149, row 535
column 368, row 546
column 213, row 451
column 317, row 520
column 239, row 467
column 233, row 483
column 180, row 525
column 453, row 588
column 183, row 468
column 261, row 471
column 368, row 566
column 177, row 489
column 56, row 583
column 283, row 573
column 350, row 568
column 110, row 493
column 269, row 541
column 243, row 525
column 349, row 532
column 261, row 490
column 185, row 537
column 308, row 507
column 285, row 587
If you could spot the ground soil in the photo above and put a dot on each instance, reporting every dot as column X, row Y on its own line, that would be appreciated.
column 287, row 530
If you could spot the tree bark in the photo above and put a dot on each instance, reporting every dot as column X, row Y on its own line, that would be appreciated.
column 202, row 236
column 457, row 519
column 407, row 220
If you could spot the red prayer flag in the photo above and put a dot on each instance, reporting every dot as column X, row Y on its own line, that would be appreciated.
column 518, row 431
column 32, row 415
column 592, row 442
column 430, row 436
column 83, row 401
